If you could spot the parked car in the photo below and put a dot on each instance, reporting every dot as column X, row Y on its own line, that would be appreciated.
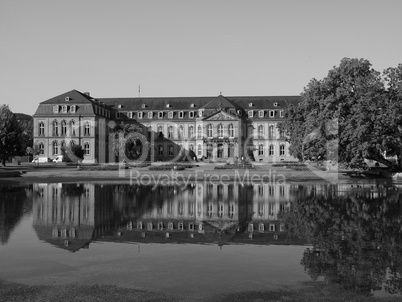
column 59, row 159
column 40, row 160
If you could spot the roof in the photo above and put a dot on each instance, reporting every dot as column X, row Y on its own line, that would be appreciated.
column 183, row 103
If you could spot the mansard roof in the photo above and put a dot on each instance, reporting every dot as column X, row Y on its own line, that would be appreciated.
column 186, row 103
column 74, row 96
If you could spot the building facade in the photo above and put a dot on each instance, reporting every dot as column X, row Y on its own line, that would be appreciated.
column 216, row 128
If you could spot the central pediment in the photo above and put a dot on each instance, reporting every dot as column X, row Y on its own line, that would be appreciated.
column 220, row 116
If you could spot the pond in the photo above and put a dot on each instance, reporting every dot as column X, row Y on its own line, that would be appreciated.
column 203, row 238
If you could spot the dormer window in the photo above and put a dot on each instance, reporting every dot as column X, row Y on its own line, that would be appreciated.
column 117, row 115
column 150, row 115
column 170, row 115
column 119, row 106
column 144, row 106
column 192, row 105
column 272, row 113
column 181, row 114
column 191, row 114
column 281, row 113
column 67, row 99
column 130, row 114
column 200, row 113
column 55, row 109
column 72, row 109
column 239, row 112
column 250, row 104
column 167, row 106
column 261, row 113
column 139, row 114
column 64, row 109
column 160, row 114
column 276, row 104
column 250, row 113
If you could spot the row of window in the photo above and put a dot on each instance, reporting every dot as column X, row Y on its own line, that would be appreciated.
column 64, row 108
column 180, row 131
column 261, row 113
column 191, row 114
column 271, row 131
column 64, row 127
column 55, row 147
column 271, row 150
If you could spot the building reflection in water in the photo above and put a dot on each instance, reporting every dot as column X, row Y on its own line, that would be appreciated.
column 71, row 216
column 353, row 230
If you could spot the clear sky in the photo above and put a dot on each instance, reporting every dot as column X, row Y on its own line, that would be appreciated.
column 185, row 47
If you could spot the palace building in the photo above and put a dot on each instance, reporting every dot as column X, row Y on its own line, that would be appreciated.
column 218, row 128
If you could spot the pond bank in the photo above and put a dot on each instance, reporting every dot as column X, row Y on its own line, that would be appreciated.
column 203, row 172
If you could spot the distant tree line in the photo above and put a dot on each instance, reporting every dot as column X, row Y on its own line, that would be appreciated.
column 16, row 133
column 354, row 113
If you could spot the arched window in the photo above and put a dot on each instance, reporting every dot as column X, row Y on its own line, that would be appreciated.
column 190, row 132
column 199, row 150
column 63, row 127
column 180, row 132
column 282, row 150
column 271, row 131
column 41, row 147
column 72, row 127
column 41, row 129
column 170, row 132
column 55, row 128
column 271, row 150
column 86, row 149
column 231, row 130
column 209, row 130
column 55, row 146
column 87, row 129
column 261, row 150
column 220, row 130
column 260, row 131
column 63, row 145
column 199, row 132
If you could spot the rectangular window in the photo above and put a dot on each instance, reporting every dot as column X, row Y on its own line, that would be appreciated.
column 272, row 113
column 130, row 114
column 281, row 113
column 250, row 113
column 117, row 115
column 170, row 151
column 171, row 114
column 55, row 109
column 139, row 114
column 160, row 150
column 282, row 150
column 64, row 109
column 72, row 109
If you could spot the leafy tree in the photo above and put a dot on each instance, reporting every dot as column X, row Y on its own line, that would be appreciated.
column 127, row 140
column 353, row 97
column 10, row 134
column 72, row 153
column 26, row 124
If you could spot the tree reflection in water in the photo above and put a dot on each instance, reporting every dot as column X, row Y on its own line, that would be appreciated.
column 356, row 237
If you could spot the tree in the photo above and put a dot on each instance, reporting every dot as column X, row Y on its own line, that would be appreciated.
column 10, row 134
column 72, row 153
column 129, row 141
column 354, row 98
column 26, row 124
